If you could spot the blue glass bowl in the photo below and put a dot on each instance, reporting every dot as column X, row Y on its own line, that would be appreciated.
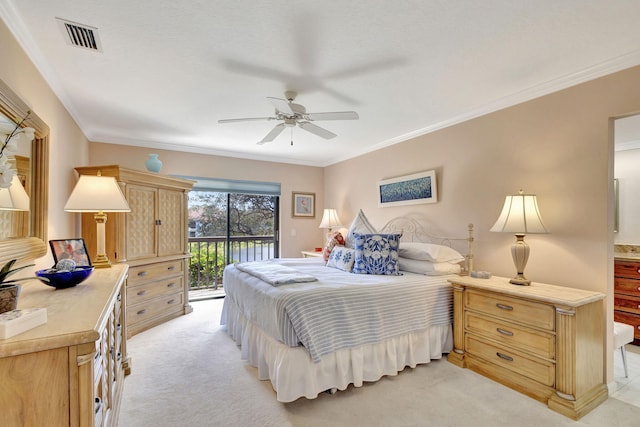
column 64, row 279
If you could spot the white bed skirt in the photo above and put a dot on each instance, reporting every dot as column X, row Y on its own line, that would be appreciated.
column 293, row 374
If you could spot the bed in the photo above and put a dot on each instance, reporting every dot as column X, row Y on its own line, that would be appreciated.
column 309, row 328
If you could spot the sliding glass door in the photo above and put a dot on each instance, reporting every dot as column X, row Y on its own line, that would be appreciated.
column 227, row 227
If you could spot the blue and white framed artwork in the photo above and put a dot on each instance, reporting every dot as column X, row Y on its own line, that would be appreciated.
column 408, row 190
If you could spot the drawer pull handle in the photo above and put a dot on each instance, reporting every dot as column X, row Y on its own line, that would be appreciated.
column 505, row 357
column 140, row 293
column 143, row 311
column 142, row 273
column 173, row 267
column 504, row 332
column 171, row 285
column 171, row 301
column 504, row 307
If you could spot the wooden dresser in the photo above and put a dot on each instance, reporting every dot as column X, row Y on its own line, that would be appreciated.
column 542, row 340
column 152, row 239
column 69, row 371
column 626, row 288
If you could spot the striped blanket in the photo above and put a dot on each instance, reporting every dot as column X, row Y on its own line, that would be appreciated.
column 340, row 310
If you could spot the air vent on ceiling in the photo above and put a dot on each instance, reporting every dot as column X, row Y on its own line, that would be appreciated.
column 80, row 35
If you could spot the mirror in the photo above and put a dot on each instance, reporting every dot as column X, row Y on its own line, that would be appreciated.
column 16, row 223
column 31, row 243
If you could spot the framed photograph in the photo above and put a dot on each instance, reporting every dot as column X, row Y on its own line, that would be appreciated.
column 303, row 205
column 74, row 249
column 408, row 190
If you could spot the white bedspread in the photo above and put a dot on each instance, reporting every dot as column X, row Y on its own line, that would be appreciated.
column 340, row 310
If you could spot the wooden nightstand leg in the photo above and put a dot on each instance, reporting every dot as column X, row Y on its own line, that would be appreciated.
column 457, row 355
column 575, row 396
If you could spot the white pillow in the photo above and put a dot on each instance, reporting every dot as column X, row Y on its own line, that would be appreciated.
column 429, row 252
column 342, row 258
column 428, row 268
column 360, row 225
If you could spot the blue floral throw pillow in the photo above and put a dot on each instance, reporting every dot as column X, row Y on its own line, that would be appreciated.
column 376, row 254
column 342, row 258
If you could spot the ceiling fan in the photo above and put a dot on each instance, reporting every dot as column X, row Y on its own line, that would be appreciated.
column 296, row 115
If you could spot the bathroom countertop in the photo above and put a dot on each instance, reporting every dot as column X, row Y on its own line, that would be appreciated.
column 626, row 252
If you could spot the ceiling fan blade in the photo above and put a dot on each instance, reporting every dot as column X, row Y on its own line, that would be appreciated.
column 247, row 119
column 277, row 130
column 316, row 130
column 336, row 115
column 281, row 105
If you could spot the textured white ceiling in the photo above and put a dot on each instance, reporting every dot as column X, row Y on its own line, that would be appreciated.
column 169, row 70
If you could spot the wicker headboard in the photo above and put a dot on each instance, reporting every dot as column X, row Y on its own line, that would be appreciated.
column 413, row 231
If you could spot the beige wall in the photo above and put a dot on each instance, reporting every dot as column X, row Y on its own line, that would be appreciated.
column 68, row 146
column 297, row 234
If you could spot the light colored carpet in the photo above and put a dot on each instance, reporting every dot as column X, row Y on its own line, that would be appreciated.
column 188, row 372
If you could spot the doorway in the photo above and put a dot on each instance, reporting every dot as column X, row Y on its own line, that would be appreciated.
column 627, row 251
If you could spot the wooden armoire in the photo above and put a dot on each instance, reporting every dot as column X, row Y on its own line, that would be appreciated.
column 151, row 239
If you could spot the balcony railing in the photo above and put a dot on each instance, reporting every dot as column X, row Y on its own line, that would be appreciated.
column 209, row 257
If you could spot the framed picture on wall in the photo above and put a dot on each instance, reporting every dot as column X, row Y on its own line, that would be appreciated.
column 408, row 190
column 303, row 205
column 74, row 249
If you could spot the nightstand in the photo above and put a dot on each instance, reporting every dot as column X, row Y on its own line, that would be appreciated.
column 311, row 254
column 542, row 340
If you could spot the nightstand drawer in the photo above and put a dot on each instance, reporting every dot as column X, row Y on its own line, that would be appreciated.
column 512, row 336
column 531, row 313
column 148, row 272
column 627, row 269
column 539, row 370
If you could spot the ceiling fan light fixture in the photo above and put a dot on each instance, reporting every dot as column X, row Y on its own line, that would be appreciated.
column 293, row 115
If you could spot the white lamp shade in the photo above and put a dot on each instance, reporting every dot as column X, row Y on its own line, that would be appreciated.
column 97, row 194
column 520, row 215
column 14, row 198
column 330, row 219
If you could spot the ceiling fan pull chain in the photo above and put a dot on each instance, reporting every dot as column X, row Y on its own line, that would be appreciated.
column 292, row 137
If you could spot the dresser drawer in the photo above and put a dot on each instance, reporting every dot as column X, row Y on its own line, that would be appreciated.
column 630, row 304
column 626, row 286
column 540, row 370
column 626, row 269
column 149, row 272
column 149, row 290
column 629, row 319
column 159, row 306
column 529, row 313
column 511, row 335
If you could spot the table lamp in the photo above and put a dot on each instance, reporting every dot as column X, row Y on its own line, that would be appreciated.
column 330, row 220
column 98, row 194
column 520, row 215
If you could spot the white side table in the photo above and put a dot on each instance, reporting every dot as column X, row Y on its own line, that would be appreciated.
column 311, row 254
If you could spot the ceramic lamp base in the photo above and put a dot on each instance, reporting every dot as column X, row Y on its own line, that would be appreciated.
column 520, row 254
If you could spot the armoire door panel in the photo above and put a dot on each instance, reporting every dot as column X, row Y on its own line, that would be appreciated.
column 141, row 227
column 171, row 214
